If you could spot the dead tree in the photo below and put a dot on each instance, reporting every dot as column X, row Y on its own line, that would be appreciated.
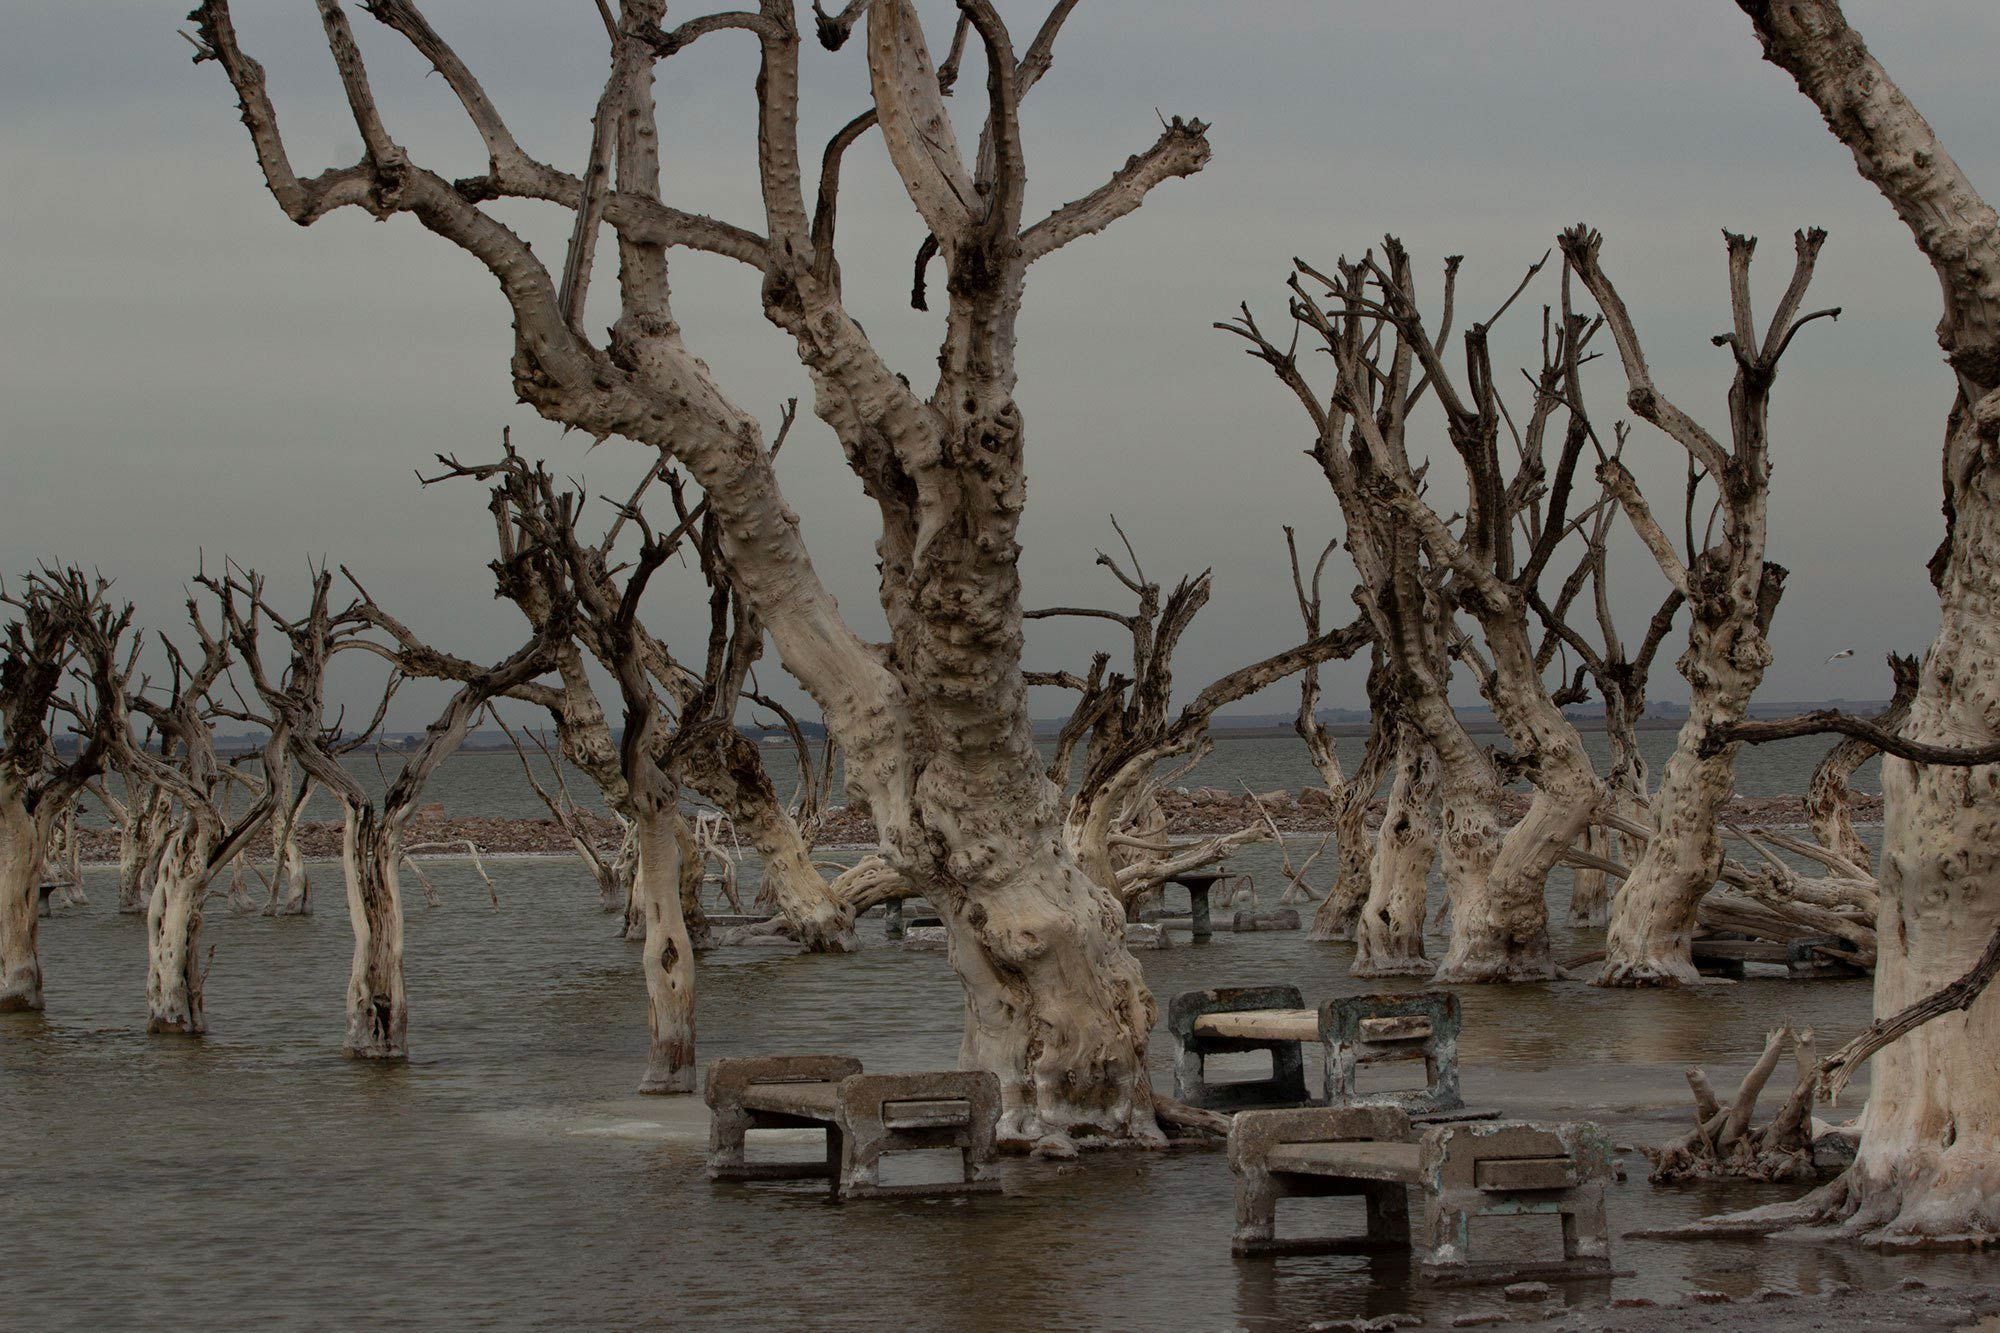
column 934, row 727
column 203, row 837
column 142, row 816
column 1438, row 768
column 1725, row 1142
column 59, row 619
column 1732, row 592
column 727, row 768
column 1348, row 793
column 1386, row 357
column 372, row 835
column 291, row 884
column 1128, row 729
column 1828, row 806
column 1621, row 678
column 1928, row 1168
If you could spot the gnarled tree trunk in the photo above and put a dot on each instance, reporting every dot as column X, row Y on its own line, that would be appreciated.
column 174, row 970
column 378, row 1011
column 1389, row 935
column 669, row 959
column 731, row 774
column 140, row 840
column 291, row 886
column 21, row 854
column 1928, row 1170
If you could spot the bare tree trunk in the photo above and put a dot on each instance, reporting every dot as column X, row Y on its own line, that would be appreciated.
column 693, row 915
column 1652, row 921
column 1051, row 989
column 731, row 774
column 291, row 886
column 139, row 842
column 21, row 852
column 1929, row 1164
column 174, row 972
column 1928, row 1171
column 1340, row 911
column 1827, row 795
column 1590, row 887
column 1389, row 937
column 378, row 1012
column 669, row 956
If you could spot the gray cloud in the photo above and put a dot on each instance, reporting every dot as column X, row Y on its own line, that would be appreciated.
column 183, row 369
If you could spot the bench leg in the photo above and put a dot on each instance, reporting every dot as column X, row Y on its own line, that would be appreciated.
column 1388, row 1214
column 1199, row 924
column 1447, row 1238
column 726, row 1129
column 1257, row 1196
column 1586, row 1235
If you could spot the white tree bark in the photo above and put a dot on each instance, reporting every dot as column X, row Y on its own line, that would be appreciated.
column 1828, row 808
column 1928, row 1171
column 175, row 969
column 1389, row 935
column 378, row 1009
column 669, row 964
column 21, row 853
column 935, row 728
column 1731, row 594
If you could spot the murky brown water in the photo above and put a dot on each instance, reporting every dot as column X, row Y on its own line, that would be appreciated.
column 506, row 1178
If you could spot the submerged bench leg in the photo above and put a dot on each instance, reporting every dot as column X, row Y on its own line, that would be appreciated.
column 1388, row 1214
column 1257, row 1196
column 1586, row 1235
column 726, row 1131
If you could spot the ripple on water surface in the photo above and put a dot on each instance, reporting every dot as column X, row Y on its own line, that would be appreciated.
column 507, row 1177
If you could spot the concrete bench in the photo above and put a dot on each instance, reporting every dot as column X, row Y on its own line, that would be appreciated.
column 1354, row 1031
column 1461, row 1171
column 865, row 1116
column 1271, row 1024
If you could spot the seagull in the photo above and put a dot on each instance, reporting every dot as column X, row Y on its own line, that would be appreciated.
column 1844, row 652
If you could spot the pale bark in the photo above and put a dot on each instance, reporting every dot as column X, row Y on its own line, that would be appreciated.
column 141, row 837
column 1828, row 807
column 175, row 971
column 935, row 727
column 60, row 622
column 1928, row 1171
column 1731, row 592
column 291, row 885
column 1389, row 935
column 378, row 1009
column 669, row 957
column 21, row 856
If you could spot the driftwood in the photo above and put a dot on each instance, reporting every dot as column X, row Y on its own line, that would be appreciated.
column 1725, row 1143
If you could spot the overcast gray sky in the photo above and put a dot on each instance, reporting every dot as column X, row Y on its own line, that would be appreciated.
column 181, row 368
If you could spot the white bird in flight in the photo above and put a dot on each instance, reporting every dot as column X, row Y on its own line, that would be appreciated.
column 1844, row 652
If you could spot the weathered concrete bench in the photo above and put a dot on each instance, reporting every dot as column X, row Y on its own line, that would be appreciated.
column 1356, row 1030
column 1462, row 1171
column 865, row 1116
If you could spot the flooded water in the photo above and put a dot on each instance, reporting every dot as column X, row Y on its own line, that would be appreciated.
column 506, row 1177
